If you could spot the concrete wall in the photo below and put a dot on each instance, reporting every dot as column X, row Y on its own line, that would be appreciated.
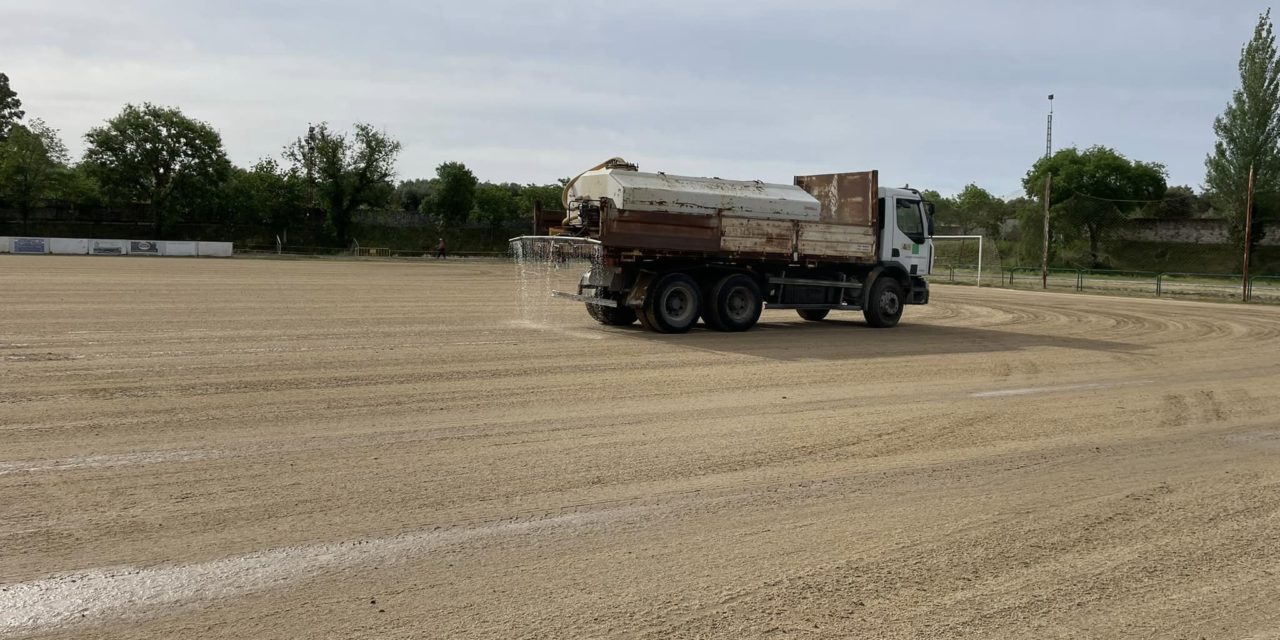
column 69, row 246
column 85, row 246
column 1198, row 231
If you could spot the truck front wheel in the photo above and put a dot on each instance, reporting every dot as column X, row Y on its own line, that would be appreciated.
column 672, row 305
column 884, row 305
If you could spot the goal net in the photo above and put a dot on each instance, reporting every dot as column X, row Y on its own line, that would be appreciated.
column 970, row 260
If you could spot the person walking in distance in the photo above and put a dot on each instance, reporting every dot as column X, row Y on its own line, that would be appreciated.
column 440, row 251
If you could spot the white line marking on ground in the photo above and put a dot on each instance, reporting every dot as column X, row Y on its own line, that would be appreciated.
column 1004, row 393
column 95, row 596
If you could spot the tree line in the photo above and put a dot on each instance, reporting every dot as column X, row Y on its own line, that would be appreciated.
column 174, row 168
column 1094, row 191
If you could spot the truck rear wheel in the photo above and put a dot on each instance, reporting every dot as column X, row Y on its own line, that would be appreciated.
column 612, row 316
column 813, row 315
column 734, row 304
column 884, row 305
column 672, row 305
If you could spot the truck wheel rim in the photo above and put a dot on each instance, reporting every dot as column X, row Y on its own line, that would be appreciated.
column 738, row 304
column 889, row 302
column 677, row 305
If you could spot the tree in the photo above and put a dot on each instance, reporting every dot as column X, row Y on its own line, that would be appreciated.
column 1179, row 203
column 944, row 210
column 410, row 194
column 498, row 205
column 267, row 197
column 345, row 173
column 546, row 194
column 1248, row 130
column 980, row 211
column 455, row 194
column 32, row 160
column 158, row 157
column 10, row 107
column 79, row 189
column 1094, row 190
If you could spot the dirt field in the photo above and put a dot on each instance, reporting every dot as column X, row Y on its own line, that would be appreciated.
column 275, row 449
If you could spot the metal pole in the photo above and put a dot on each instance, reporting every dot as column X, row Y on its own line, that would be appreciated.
column 1048, row 136
column 979, row 262
column 1248, row 234
column 1044, row 259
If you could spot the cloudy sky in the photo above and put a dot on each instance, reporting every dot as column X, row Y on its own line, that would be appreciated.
column 933, row 93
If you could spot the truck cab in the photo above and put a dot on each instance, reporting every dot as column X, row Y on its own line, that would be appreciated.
column 906, row 233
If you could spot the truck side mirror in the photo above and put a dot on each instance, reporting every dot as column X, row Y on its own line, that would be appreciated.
column 928, row 217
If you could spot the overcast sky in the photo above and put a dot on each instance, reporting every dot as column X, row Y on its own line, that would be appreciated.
column 933, row 93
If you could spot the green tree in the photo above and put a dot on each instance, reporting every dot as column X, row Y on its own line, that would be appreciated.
column 1248, row 130
column 78, row 188
column 267, row 197
column 983, row 211
column 10, row 107
column 973, row 210
column 455, row 194
column 410, row 194
column 157, row 157
column 546, row 194
column 944, row 213
column 499, row 205
column 345, row 172
column 1093, row 191
column 1179, row 203
column 32, row 161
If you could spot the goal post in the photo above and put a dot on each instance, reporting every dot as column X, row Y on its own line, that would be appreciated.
column 952, row 257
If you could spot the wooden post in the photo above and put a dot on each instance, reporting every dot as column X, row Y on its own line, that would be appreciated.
column 1248, row 234
column 1044, row 259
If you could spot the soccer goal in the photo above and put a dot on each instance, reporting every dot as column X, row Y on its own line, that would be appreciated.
column 963, row 259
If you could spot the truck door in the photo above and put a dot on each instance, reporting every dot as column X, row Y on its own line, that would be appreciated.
column 906, row 236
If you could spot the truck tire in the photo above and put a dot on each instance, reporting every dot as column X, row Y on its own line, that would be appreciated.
column 813, row 315
column 884, row 305
column 612, row 316
column 734, row 304
column 672, row 305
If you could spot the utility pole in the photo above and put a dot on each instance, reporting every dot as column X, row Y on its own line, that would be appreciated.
column 1044, row 259
column 1248, row 234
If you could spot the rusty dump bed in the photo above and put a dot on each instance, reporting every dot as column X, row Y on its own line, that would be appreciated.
column 821, row 218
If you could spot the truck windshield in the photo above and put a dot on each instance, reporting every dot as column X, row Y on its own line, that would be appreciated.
column 909, row 220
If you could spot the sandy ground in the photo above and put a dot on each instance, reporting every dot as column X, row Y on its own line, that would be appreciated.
column 276, row 449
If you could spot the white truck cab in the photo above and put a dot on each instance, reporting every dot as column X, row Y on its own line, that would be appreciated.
column 905, row 238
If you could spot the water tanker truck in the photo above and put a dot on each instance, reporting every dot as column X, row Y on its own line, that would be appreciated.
column 673, row 249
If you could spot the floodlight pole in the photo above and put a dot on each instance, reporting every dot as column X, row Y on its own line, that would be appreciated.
column 1248, row 235
column 1048, row 135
